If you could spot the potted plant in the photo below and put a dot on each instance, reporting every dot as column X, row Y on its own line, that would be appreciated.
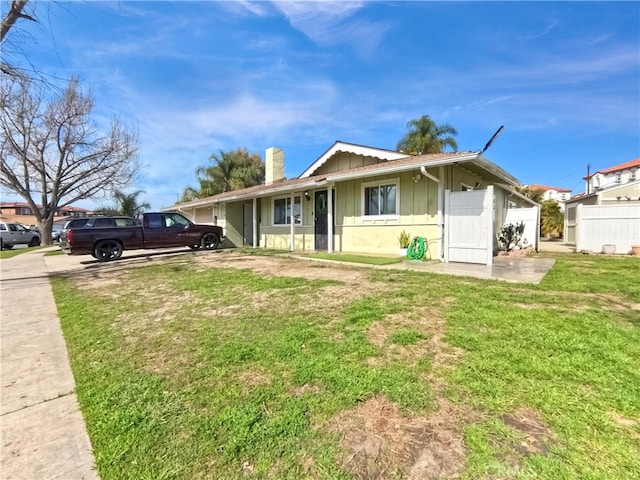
column 404, row 239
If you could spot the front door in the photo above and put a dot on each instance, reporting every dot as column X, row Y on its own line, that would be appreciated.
column 320, row 216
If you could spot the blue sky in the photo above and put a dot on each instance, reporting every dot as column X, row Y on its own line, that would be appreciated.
column 195, row 78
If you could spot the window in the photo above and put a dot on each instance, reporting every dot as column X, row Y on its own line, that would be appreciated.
column 380, row 199
column 619, row 177
column 175, row 220
column 465, row 188
column 104, row 222
column 633, row 175
column 282, row 211
column 124, row 222
column 155, row 220
column 23, row 211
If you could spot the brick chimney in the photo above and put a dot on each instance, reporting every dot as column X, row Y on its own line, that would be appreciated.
column 273, row 165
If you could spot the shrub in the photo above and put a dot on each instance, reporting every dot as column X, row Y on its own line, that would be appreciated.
column 511, row 236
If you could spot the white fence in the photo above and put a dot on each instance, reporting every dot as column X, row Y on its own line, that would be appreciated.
column 598, row 225
column 530, row 218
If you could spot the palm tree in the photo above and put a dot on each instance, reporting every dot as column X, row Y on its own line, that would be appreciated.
column 230, row 171
column 552, row 219
column 536, row 195
column 127, row 204
column 425, row 136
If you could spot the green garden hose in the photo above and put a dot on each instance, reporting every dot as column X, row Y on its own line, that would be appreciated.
column 416, row 248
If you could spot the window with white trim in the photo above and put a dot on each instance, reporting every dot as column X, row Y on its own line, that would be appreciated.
column 282, row 211
column 380, row 199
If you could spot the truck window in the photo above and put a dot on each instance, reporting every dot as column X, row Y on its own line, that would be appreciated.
column 12, row 227
column 124, row 222
column 155, row 220
column 175, row 220
column 103, row 222
column 3, row 227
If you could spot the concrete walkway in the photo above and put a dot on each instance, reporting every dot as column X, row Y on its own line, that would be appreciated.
column 42, row 429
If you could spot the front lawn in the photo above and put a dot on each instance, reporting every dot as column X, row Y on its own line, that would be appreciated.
column 231, row 366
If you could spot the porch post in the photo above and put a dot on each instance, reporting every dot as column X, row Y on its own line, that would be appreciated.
column 292, row 239
column 330, row 220
column 441, row 206
column 255, row 222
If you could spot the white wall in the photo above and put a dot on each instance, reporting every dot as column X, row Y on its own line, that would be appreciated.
column 597, row 225
column 530, row 218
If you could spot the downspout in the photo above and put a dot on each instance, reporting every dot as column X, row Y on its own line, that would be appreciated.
column 424, row 172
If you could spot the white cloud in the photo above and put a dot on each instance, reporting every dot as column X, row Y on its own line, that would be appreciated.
column 328, row 23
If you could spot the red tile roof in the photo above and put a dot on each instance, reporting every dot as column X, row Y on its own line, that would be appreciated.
column 615, row 168
column 546, row 187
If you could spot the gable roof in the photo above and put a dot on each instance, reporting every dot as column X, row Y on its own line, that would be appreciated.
column 473, row 161
column 546, row 187
column 616, row 168
column 339, row 146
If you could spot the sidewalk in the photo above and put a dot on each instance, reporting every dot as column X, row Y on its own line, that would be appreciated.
column 42, row 430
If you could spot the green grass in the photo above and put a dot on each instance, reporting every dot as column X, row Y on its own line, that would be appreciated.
column 190, row 373
column 17, row 251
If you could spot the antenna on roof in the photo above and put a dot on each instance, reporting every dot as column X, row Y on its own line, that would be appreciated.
column 495, row 135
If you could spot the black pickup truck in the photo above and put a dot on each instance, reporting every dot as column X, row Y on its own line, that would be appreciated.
column 107, row 237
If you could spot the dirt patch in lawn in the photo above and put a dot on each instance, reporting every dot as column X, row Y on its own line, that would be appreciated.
column 379, row 442
column 430, row 322
column 536, row 435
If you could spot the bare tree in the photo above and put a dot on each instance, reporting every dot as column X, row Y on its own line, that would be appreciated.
column 53, row 154
column 15, row 11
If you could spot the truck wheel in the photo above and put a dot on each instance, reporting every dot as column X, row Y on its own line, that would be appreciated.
column 106, row 250
column 210, row 241
column 35, row 241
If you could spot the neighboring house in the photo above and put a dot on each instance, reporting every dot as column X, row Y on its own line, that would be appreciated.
column 358, row 199
column 20, row 212
column 558, row 194
column 608, row 211
column 617, row 175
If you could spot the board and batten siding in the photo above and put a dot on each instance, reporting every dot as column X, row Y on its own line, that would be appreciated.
column 598, row 225
column 418, row 215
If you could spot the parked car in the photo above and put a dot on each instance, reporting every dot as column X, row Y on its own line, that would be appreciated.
column 106, row 237
column 15, row 234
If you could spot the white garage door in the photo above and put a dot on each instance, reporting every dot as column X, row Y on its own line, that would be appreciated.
column 469, row 226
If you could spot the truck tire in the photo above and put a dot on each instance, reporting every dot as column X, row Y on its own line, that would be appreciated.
column 107, row 250
column 209, row 241
column 35, row 241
